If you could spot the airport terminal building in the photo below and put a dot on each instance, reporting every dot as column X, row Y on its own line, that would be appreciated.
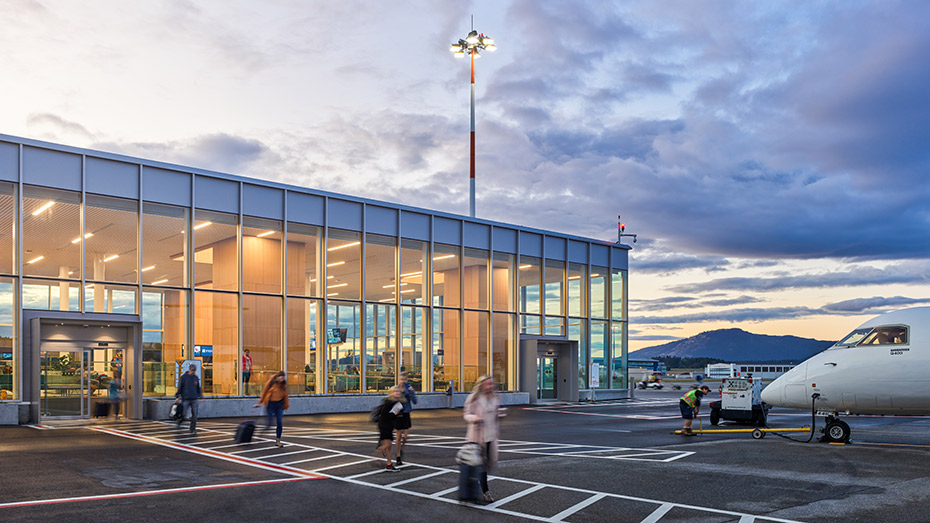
column 115, row 266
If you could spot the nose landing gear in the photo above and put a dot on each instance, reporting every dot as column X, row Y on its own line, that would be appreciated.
column 835, row 431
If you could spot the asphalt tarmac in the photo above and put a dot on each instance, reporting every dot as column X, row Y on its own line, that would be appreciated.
column 610, row 461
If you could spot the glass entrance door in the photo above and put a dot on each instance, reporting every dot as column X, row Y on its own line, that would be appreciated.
column 547, row 378
column 64, row 384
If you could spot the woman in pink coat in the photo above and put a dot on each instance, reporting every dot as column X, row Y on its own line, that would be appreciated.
column 482, row 412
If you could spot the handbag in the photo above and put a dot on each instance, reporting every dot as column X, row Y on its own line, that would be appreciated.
column 470, row 454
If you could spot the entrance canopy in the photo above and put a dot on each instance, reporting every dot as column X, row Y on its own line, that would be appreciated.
column 549, row 368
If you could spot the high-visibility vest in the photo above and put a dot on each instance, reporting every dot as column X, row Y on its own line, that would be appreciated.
column 691, row 398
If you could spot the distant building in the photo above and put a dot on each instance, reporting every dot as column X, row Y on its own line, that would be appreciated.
column 765, row 371
column 647, row 364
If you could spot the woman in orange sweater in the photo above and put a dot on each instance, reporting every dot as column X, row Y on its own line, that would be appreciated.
column 274, row 396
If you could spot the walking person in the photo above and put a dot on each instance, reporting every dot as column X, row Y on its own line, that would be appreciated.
column 115, row 392
column 188, row 393
column 690, row 405
column 274, row 397
column 402, row 422
column 386, row 415
column 482, row 413
column 246, row 371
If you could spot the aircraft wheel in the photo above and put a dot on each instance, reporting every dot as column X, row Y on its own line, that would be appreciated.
column 714, row 416
column 757, row 434
column 837, row 431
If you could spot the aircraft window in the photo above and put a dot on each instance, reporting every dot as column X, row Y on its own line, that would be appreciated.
column 886, row 336
column 853, row 338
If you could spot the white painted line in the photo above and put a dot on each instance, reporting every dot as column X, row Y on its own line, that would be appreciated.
column 658, row 513
column 254, row 450
column 441, row 493
column 289, row 453
column 518, row 495
column 575, row 508
column 747, row 519
column 412, row 480
column 369, row 473
column 343, row 465
column 336, row 455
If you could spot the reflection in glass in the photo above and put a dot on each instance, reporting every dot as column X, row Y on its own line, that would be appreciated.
column 502, row 349
column 414, row 264
column 530, row 285
column 380, row 348
column 599, row 292
column 619, row 355
column 164, row 245
column 618, row 280
column 51, row 296
column 110, row 240
column 446, row 355
column 261, row 335
column 475, row 361
column 530, row 324
column 554, row 326
column 555, row 274
column 576, row 289
column 164, row 338
column 216, row 251
column 599, row 351
column 51, row 224
column 343, row 266
column 216, row 341
column 380, row 284
column 504, row 281
column 344, row 358
column 302, row 336
column 7, row 354
column 7, row 230
column 413, row 325
column 476, row 279
column 304, row 269
column 445, row 275
column 261, row 255
column 109, row 299
column 577, row 330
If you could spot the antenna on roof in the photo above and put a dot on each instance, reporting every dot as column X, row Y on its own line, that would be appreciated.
column 620, row 228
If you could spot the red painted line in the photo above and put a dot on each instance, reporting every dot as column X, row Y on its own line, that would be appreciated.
column 149, row 492
column 206, row 452
column 625, row 416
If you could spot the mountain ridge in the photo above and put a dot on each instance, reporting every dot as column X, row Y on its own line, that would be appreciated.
column 738, row 345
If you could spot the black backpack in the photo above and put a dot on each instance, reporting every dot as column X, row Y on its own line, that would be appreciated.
column 375, row 415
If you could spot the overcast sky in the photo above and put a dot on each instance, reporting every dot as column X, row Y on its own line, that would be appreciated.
column 773, row 157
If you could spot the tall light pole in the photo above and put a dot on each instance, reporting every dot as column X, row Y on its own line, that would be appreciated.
column 472, row 44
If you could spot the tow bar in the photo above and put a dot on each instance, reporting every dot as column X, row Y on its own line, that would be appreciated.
column 756, row 433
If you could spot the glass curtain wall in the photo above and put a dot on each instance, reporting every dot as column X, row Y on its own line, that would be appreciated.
column 446, row 349
column 380, row 279
column 578, row 331
column 304, row 267
column 7, row 339
column 164, row 338
column 446, row 279
column 261, row 336
column 619, row 375
column 503, row 350
column 216, row 251
column 530, row 295
column 554, row 298
column 414, row 266
column 302, row 336
column 343, row 266
column 164, row 245
column 344, row 358
column 599, row 349
column 475, row 361
column 216, row 341
column 504, row 281
column 413, row 330
column 8, row 228
column 261, row 255
column 475, row 279
column 380, row 347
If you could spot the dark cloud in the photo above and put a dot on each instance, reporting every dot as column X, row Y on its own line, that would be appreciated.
column 670, row 263
column 732, row 315
column 874, row 304
column 653, row 338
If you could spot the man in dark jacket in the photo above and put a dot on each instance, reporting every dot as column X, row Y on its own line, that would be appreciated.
column 187, row 395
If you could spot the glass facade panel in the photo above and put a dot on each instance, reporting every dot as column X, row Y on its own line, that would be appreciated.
column 475, row 361
column 599, row 353
column 164, row 245
column 555, row 278
column 109, row 299
column 164, row 338
column 344, row 358
column 578, row 331
column 8, row 228
column 380, row 279
column 216, row 251
column 302, row 336
column 599, row 292
column 380, row 347
column 530, row 273
column 577, row 305
column 617, row 283
column 446, row 279
column 618, row 378
column 304, row 268
column 261, row 255
column 8, row 359
column 476, row 279
column 413, row 330
column 414, row 264
column 261, row 336
column 446, row 349
column 51, row 224
column 110, row 239
column 502, row 350
column 52, row 295
column 554, row 326
column 343, row 266
column 530, row 324
column 216, row 341
column 504, row 281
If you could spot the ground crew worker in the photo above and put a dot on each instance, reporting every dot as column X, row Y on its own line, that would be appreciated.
column 690, row 405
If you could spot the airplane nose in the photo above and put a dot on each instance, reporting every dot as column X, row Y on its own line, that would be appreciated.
column 788, row 389
column 774, row 393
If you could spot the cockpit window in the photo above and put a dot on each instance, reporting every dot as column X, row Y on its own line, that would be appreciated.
column 889, row 335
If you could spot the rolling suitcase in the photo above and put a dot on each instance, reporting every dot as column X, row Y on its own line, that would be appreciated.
column 244, row 432
column 470, row 482
column 102, row 409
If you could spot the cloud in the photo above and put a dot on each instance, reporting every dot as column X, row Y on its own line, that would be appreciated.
column 218, row 152
column 668, row 263
column 874, row 304
column 752, row 315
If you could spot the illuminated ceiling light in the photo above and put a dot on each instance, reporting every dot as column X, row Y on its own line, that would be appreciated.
column 202, row 225
column 89, row 286
column 386, row 300
column 343, row 246
column 337, row 285
column 266, row 233
column 574, row 277
column 111, row 258
column 444, row 257
column 44, row 207
column 388, row 286
column 335, row 264
column 78, row 239
column 148, row 268
column 411, row 274
column 525, row 266
column 332, row 294
column 595, row 275
column 408, row 290
column 160, row 281
column 37, row 259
